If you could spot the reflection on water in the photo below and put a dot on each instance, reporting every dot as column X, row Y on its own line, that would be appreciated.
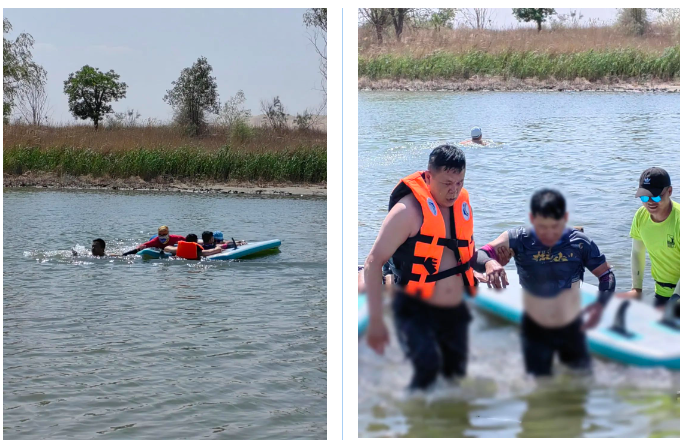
column 591, row 146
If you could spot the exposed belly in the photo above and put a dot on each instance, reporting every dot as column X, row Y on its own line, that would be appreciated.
column 449, row 291
column 554, row 312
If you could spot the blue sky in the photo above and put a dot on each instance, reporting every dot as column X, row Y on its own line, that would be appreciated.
column 264, row 52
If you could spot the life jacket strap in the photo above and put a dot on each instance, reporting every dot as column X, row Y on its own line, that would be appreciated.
column 461, row 268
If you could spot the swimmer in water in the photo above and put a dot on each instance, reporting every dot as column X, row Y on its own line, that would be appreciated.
column 475, row 137
column 97, row 249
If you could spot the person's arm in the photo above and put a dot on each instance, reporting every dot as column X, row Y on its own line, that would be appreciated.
column 485, row 260
column 394, row 231
column 207, row 252
column 638, row 266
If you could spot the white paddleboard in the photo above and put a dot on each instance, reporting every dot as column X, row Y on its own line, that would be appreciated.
column 651, row 344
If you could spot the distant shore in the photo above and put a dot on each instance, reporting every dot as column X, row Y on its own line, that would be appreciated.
column 51, row 180
column 485, row 84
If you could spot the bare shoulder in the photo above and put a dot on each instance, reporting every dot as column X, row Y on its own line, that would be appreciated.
column 407, row 212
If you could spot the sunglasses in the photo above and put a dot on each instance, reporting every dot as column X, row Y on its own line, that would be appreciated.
column 656, row 199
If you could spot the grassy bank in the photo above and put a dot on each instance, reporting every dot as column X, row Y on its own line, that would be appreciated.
column 591, row 65
column 151, row 152
column 592, row 53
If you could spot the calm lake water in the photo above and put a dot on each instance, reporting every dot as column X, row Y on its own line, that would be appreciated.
column 591, row 146
column 173, row 349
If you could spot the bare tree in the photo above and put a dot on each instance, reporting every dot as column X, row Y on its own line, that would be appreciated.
column 476, row 18
column 32, row 104
column 316, row 19
column 378, row 18
column 399, row 15
column 274, row 114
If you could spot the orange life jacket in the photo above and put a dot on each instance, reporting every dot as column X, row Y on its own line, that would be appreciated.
column 416, row 262
column 188, row 249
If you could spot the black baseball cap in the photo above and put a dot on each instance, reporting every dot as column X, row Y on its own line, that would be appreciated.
column 652, row 182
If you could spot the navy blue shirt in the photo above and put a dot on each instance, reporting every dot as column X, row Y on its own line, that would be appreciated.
column 546, row 271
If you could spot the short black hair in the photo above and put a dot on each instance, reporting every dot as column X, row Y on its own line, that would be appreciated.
column 207, row 235
column 548, row 203
column 100, row 241
column 191, row 238
column 447, row 157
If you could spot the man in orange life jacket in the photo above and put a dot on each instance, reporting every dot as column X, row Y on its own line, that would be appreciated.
column 190, row 249
column 428, row 233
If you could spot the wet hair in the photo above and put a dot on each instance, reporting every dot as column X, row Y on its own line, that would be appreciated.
column 207, row 235
column 548, row 203
column 191, row 238
column 447, row 157
column 100, row 241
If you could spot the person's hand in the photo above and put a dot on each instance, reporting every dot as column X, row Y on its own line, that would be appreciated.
column 377, row 336
column 480, row 277
column 504, row 255
column 496, row 275
column 593, row 312
column 631, row 294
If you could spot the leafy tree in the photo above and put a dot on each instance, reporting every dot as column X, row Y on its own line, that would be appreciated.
column 233, row 111
column 538, row 15
column 443, row 18
column 194, row 93
column 91, row 91
column 17, row 66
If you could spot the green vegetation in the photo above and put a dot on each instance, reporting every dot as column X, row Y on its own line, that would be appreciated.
column 591, row 65
column 91, row 91
column 306, row 165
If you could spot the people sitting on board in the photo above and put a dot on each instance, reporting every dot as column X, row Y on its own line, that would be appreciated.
column 218, row 239
column 475, row 137
column 189, row 249
column 422, row 225
column 655, row 228
column 97, row 249
column 162, row 240
column 550, row 259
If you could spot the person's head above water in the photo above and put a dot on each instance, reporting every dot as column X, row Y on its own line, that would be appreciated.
column 548, row 215
column 218, row 236
column 445, row 174
column 655, row 189
column 207, row 237
column 476, row 133
column 192, row 238
column 98, row 247
column 163, row 234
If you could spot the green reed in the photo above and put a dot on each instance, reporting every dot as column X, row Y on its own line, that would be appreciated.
column 305, row 165
column 592, row 65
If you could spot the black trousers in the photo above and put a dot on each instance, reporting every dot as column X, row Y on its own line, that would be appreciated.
column 540, row 344
column 435, row 339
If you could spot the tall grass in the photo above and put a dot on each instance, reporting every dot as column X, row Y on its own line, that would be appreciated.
column 421, row 42
column 297, row 165
column 590, row 64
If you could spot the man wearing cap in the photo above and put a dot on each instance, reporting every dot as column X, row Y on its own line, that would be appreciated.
column 655, row 229
column 475, row 137
column 162, row 240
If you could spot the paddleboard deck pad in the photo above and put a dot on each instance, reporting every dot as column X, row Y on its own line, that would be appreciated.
column 648, row 344
column 228, row 254
column 363, row 313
